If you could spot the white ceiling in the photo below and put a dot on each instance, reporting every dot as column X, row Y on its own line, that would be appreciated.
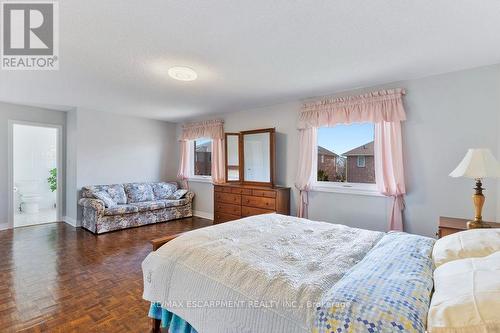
column 114, row 53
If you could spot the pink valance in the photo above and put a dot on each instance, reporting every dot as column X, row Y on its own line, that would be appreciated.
column 213, row 129
column 375, row 107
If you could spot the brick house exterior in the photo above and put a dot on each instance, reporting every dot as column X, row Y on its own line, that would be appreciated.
column 361, row 164
column 327, row 161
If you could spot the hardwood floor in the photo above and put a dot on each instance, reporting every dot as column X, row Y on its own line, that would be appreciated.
column 56, row 278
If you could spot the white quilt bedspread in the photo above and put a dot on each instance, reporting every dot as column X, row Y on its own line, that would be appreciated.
column 263, row 273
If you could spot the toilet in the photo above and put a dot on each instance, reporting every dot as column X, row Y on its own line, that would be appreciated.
column 29, row 196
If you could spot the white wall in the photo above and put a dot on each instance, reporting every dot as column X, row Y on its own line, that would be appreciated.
column 111, row 148
column 71, row 209
column 447, row 114
column 34, row 155
column 21, row 113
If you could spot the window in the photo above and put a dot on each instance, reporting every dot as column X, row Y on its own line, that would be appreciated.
column 201, row 158
column 361, row 163
column 346, row 158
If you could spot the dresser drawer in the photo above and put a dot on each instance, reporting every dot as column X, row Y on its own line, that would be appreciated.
column 227, row 208
column 218, row 188
column 230, row 198
column 250, row 211
column 224, row 217
column 264, row 193
column 258, row 202
column 236, row 190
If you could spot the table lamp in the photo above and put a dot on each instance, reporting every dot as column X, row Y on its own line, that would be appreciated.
column 477, row 164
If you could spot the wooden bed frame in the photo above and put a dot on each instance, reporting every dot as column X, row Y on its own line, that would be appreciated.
column 155, row 324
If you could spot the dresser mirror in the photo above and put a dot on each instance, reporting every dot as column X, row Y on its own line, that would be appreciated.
column 233, row 157
column 249, row 189
column 250, row 157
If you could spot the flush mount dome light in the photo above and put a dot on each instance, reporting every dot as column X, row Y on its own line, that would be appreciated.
column 182, row 73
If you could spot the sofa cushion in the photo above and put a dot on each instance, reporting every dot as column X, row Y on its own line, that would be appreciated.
column 175, row 203
column 179, row 194
column 106, row 198
column 163, row 190
column 148, row 205
column 139, row 192
column 115, row 191
column 121, row 209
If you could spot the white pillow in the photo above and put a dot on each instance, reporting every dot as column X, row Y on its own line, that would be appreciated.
column 466, row 297
column 466, row 244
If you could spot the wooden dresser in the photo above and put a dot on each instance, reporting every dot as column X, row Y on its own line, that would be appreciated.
column 234, row 201
column 450, row 225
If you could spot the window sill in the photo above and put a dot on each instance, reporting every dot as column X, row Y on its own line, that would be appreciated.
column 200, row 179
column 347, row 189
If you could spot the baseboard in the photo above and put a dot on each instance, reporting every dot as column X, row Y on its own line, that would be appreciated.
column 70, row 221
column 205, row 215
column 5, row 226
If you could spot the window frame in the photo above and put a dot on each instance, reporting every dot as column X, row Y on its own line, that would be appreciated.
column 359, row 164
column 369, row 189
column 192, row 176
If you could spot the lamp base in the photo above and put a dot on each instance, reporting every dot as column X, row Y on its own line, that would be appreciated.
column 478, row 199
column 477, row 225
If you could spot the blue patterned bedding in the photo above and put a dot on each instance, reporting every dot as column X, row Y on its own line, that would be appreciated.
column 388, row 291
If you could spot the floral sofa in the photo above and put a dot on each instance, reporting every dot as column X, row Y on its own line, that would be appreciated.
column 132, row 205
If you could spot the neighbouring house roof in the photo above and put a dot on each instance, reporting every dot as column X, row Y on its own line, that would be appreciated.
column 324, row 151
column 363, row 150
column 204, row 147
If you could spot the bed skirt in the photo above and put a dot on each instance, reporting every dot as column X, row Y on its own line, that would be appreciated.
column 174, row 323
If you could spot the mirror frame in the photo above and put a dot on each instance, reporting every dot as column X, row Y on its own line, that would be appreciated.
column 240, row 169
column 272, row 156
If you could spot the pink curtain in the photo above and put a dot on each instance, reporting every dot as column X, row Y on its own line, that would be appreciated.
column 384, row 108
column 184, row 165
column 213, row 129
column 389, row 172
column 384, row 105
column 218, row 164
column 305, row 172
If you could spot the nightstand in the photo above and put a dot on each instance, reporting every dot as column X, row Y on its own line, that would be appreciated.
column 450, row 225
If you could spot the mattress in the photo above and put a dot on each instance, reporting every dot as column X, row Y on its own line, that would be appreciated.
column 265, row 273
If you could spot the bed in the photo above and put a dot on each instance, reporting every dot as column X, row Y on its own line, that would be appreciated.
column 276, row 273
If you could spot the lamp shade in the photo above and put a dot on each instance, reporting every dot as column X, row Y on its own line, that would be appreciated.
column 477, row 163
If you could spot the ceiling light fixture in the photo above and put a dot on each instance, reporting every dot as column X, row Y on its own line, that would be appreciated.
column 182, row 73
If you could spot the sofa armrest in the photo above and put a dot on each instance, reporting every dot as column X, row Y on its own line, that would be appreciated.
column 189, row 196
column 96, row 204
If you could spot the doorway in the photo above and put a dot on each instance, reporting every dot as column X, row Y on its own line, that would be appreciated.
column 35, row 174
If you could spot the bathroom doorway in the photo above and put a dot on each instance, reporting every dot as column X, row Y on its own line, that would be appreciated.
column 35, row 173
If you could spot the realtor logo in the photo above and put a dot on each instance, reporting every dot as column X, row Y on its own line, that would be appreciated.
column 30, row 35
